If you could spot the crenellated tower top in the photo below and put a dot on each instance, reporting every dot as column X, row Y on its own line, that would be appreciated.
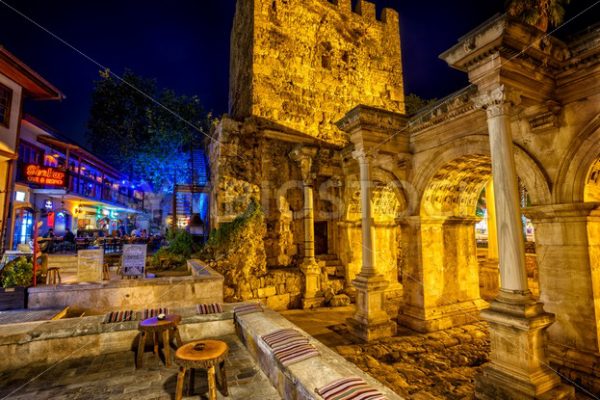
column 303, row 64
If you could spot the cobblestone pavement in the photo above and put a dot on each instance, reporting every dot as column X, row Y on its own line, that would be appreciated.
column 435, row 366
column 113, row 376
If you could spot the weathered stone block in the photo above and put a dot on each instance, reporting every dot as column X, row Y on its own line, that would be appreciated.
column 279, row 303
column 267, row 292
column 340, row 300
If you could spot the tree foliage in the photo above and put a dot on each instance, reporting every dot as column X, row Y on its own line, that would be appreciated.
column 539, row 13
column 414, row 103
column 149, row 140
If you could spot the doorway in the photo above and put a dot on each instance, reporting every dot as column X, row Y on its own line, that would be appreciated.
column 321, row 242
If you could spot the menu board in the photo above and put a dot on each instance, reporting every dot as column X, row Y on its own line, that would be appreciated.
column 133, row 262
column 89, row 265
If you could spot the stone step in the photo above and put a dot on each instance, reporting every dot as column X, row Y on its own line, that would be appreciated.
column 326, row 257
column 66, row 263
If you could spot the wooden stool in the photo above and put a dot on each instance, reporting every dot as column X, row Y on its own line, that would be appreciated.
column 105, row 272
column 205, row 354
column 167, row 328
column 53, row 276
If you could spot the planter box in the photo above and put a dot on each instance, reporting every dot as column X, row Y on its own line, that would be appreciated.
column 13, row 298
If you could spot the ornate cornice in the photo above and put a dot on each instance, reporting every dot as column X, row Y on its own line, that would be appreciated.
column 452, row 106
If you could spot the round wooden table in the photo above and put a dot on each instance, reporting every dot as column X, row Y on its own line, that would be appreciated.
column 204, row 354
column 167, row 328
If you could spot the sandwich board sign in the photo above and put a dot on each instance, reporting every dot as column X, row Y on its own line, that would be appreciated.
column 133, row 261
column 89, row 265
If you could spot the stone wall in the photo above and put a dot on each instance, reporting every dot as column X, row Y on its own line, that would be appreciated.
column 304, row 64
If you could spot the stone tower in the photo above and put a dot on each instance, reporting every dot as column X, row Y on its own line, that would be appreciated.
column 303, row 64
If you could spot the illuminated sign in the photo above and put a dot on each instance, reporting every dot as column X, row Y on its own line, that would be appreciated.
column 48, row 204
column 20, row 196
column 47, row 176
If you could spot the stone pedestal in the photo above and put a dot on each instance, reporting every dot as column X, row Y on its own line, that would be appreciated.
column 518, row 370
column 370, row 322
column 312, row 288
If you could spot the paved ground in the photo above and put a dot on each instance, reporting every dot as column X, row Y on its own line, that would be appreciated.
column 436, row 366
column 114, row 376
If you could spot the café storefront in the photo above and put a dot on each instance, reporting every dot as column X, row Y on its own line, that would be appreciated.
column 63, row 186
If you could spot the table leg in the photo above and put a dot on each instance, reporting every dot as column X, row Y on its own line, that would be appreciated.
column 192, row 377
column 166, row 346
column 155, row 337
column 178, row 340
column 222, row 380
column 180, row 379
column 212, row 390
column 140, row 350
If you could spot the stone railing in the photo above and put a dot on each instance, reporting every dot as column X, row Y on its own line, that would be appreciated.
column 47, row 342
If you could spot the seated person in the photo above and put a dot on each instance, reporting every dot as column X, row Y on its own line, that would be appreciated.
column 69, row 236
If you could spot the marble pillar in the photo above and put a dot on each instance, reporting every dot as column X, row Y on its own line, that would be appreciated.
column 518, row 368
column 489, row 275
column 371, row 320
column 312, row 296
column 491, row 221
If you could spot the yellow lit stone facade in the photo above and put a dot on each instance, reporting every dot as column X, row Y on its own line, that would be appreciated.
column 530, row 116
column 304, row 64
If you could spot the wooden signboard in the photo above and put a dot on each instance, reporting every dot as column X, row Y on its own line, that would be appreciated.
column 133, row 262
column 89, row 265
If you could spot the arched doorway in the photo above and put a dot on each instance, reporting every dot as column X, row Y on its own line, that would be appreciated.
column 388, row 204
column 442, row 288
column 23, row 226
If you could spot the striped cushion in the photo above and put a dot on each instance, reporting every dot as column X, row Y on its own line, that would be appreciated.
column 213, row 308
column 290, row 346
column 153, row 312
column 247, row 309
column 120, row 316
column 295, row 353
column 283, row 337
column 352, row 388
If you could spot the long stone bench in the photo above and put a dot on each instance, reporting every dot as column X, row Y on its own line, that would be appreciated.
column 297, row 381
column 48, row 342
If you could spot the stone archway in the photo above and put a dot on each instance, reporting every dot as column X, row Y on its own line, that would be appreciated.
column 443, row 289
column 388, row 203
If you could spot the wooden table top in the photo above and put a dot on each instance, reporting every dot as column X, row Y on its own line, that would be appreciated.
column 202, row 351
column 170, row 320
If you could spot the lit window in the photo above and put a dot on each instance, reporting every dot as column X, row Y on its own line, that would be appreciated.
column 5, row 102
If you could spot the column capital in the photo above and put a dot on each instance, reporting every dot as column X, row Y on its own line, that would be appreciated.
column 364, row 156
column 498, row 100
column 304, row 156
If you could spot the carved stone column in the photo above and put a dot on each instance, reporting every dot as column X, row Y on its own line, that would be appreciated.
column 370, row 321
column 518, row 367
column 310, row 267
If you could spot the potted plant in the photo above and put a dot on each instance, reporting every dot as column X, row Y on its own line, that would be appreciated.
column 15, row 277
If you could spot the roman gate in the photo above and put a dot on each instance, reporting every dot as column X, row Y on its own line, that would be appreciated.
column 362, row 199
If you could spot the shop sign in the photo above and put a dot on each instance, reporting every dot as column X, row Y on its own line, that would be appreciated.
column 46, row 176
column 133, row 262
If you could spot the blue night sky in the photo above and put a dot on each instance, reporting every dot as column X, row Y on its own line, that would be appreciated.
column 184, row 44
